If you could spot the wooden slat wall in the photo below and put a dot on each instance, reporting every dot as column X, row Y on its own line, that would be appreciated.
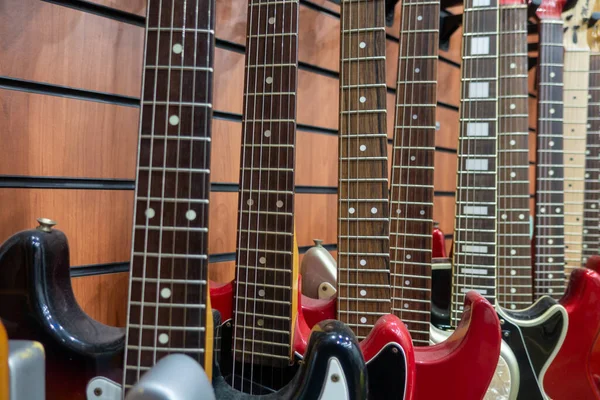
column 49, row 132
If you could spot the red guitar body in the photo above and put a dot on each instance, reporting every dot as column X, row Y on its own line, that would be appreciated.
column 575, row 372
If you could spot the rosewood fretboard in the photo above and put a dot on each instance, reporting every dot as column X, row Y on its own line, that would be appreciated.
column 549, row 259
column 411, row 193
column 514, row 246
column 591, row 216
column 474, row 266
column 363, row 224
column 263, row 306
column 168, row 288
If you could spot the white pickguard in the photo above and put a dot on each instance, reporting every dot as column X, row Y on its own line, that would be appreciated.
column 335, row 387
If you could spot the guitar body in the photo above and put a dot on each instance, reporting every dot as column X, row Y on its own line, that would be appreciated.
column 37, row 303
column 575, row 372
column 476, row 341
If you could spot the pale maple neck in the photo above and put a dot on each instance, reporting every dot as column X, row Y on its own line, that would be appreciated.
column 591, row 216
column 363, row 224
column 514, row 246
column 167, row 310
column 411, row 193
column 475, row 223
column 549, row 258
column 576, row 80
column 263, row 308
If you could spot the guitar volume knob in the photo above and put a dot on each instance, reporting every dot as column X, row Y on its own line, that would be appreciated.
column 46, row 224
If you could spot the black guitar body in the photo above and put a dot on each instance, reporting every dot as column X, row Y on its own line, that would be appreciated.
column 387, row 374
column 37, row 303
column 330, row 341
column 534, row 336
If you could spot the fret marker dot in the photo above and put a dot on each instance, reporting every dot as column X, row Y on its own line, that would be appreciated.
column 415, row 116
column 351, row 210
column 174, row 120
column 512, row 306
column 267, row 133
column 513, row 252
column 513, row 272
column 420, row 18
column 250, row 202
column 165, row 293
column 260, row 322
column 552, row 74
column 513, row 174
column 407, row 283
column 513, row 65
column 362, row 45
column 363, row 262
column 550, row 290
column 504, row 216
column 585, row 246
column 521, row 216
column 552, row 111
column 279, row 204
column 513, row 142
column 398, row 211
column 589, row 96
column 405, row 305
column 363, row 292
column 362, row 99
column 190, row 215
column 422, row 212
column 588, row 126
column 593, row 206
column 269, row 80
column 513, row 290
column 374, row 210
column 363, row 320
column 150, row 213
column 551, row 172
column 417, row 70
column 262, row 260
column 261, row 293
column 408, row 256
column 550, row 275
column 585, row 231
column 587, row 175
column 550, row 241
column 551, row 144
column 543, row 210
column 587, row 152
column 557, row 210
column 272, row 20
column 363, row 147
column 163, row 338
column 513, row 106
column 177, row 48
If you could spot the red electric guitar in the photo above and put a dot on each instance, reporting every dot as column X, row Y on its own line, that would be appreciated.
column 476, row 341
column 576, row 368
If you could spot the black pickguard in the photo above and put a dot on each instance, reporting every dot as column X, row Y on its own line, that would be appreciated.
column 330, row 339
column 37, row 303
column 387, row 374
column 532, row 345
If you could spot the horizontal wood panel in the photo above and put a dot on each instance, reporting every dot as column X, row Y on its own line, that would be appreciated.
column 104, row 297
column 57, row 136
column 48, row 43
column 97, row 222
column 447, row 135
column 131, row 6
column 315, row 216
column 443, row 212
column 444, row 174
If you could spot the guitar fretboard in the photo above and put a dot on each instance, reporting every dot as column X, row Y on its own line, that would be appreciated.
column 168, row 287
column 576, row 70
column 475, row 224
column 549, row 219
column 363, row 224
column 591, row 216
column 264, row 271
column 514, row 246
column 411, row 193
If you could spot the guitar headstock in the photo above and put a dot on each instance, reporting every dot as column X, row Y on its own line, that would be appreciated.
column 549, row 9
column 575, row 18
column 593, row 32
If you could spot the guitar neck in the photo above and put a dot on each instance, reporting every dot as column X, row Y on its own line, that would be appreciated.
column 514, row 246
column 591, row 216
column 363, row 224
column 411, row 193
column 263, row 308
column 475, row 223
column 576, row 76
column 549, row 219
column 168, row 280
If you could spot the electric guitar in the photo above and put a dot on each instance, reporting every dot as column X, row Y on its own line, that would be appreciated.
column 476, row 340
column 575, row 370
column 495, row 49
